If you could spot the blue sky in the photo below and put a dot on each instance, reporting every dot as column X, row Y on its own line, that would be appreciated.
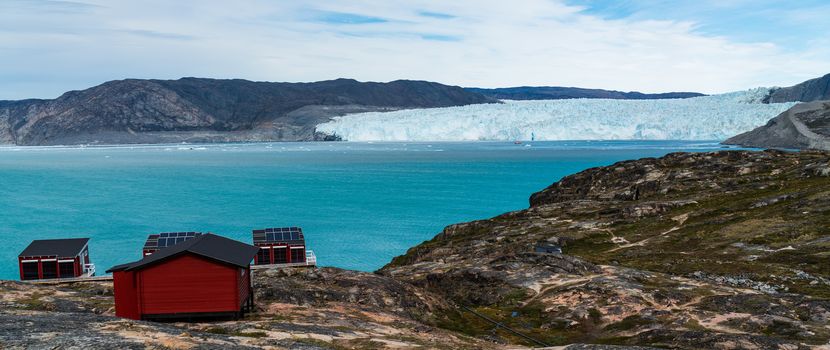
column 48, row 47
column 785, row 23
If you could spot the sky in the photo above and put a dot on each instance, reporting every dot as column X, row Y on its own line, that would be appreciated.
column 48, row 47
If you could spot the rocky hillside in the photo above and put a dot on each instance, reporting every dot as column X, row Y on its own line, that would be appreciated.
column 209, row 110
column 725, row 250
column 301, row 309
column 808, row 91
column 804, row 126
column 297, row 309
column 561, row 93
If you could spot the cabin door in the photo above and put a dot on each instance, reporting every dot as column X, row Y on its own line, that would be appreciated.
column 297, row 255
column 281, row 255
column 30, row 271
column 49, row 269
column 263, row 257
column 67, row 269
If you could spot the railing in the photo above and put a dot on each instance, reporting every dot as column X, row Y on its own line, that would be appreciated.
column 310, row 260
column 89, row 270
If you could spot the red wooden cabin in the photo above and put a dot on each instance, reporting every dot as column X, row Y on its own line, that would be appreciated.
column 207, row 275
column 56, row 258
column 285, row 245
column 166, row 239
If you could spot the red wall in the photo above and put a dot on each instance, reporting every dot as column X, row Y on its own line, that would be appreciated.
column 188, row 284
column 185, row 284
column 126, row 296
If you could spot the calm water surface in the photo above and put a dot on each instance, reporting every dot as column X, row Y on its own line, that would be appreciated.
column 360, row 204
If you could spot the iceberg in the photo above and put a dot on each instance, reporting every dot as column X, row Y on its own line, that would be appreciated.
column 714, row 117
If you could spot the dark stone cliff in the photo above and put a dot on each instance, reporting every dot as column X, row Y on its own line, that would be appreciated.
column 804, row 126
column 808, row 91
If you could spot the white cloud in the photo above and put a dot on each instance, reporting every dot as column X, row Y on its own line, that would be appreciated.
column 47, row 47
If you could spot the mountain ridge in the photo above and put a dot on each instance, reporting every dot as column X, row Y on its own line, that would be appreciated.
column 236, row 110
column 210, row 110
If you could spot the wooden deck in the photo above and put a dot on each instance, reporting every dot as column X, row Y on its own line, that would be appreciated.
column 310, row 261
column 279, row 266
column 70, row 280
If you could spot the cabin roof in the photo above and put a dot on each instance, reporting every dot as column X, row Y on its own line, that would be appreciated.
column 57, row 247
column 210, row 246
column 279, row 234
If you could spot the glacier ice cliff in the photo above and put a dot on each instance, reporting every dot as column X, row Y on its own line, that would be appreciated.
column 713, row 117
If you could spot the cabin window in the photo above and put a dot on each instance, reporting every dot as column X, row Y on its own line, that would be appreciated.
column 280, row 255
column 297, row 255
column 67, row 269
column 263, row 256
column 30, row 271
column 50, row 269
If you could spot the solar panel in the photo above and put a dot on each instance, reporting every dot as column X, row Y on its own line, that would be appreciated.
column 152, row 241
column 278, row 234
column 168, row 239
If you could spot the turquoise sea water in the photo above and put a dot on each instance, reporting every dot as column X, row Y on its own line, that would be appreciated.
column 360, row 204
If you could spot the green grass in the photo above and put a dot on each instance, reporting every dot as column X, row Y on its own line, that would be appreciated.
column 628, row 323
column 34, row 302
column 704, row 241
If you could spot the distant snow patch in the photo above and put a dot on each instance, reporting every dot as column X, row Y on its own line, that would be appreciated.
column 714, row 117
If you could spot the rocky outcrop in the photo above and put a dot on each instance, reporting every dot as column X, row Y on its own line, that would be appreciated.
column 808, row 91
column 210, row 110
column 559, row 93
column 318, row 287
column 690, row 250
column 648, row 179
column 804, row 126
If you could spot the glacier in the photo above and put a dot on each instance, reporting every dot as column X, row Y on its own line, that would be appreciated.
column 714, row 117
